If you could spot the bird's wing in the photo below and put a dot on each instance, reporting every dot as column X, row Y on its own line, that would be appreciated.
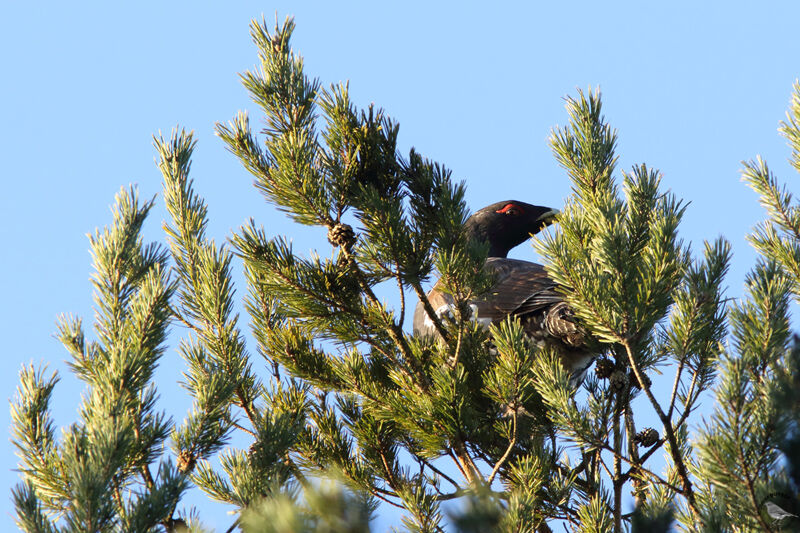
column 520, row 288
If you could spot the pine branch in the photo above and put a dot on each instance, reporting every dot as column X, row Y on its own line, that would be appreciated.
column 430, row 313
column 687, row 490
column 617, row 479
column 507, row 453
column 206, row 300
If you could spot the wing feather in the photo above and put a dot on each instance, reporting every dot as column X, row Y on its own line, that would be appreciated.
column 520, row 288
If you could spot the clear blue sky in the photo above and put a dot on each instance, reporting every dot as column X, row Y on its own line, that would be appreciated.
column 693, row 87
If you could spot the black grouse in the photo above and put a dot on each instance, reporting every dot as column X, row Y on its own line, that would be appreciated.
column 521, row 288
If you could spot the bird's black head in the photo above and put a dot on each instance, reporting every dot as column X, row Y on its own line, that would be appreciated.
column 504, row 225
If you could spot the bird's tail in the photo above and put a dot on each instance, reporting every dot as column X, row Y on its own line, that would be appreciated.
column 560, row 323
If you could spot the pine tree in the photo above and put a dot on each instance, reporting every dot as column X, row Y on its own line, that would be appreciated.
column 342, row 389
column 99, row 475
column 748, row 454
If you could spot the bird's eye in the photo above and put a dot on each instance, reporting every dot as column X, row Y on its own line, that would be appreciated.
column 510, row 209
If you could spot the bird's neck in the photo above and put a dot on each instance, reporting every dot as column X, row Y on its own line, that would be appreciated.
column 478, row 233
column 497, row 251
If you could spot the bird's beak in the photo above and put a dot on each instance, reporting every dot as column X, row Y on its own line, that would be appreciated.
column 549, row 217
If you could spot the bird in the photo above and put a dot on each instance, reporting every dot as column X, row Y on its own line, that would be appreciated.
column 521, row 289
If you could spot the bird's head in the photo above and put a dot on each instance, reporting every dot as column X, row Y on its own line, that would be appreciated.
column 507, row 224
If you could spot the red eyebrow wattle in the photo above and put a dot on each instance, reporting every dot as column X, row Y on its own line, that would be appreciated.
column 509, row 206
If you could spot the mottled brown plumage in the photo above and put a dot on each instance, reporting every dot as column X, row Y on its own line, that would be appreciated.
column 521, row 289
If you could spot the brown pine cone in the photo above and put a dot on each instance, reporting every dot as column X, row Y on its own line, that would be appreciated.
column 618, row 380
column 603, row 368
column 646, row 437
column 342, row 235
column 185, row 462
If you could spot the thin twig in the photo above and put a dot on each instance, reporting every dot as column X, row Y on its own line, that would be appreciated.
column 385, row 499
column 688, row 406
column 233, row 526
column 640, row 468
column 633, row 451
column 402, row 297
column 430, row 312
column 239, row 426
column 604, row 465
column 617, row 478
column 248, row 408
column 471, row 471
column 680, row 465
column 436, row 470
column 389, row 475
column 505, row 456
column 459, row 465
column 276, row 373
column 749, row 481
column 458, row 347
column 395, row 333
column 682, row 362
column 674, row 394
column 646, row 455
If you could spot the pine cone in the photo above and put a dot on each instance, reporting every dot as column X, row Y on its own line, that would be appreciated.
column 185, row 462
column 253, row 453
column 603, row 368
column 646, row 437
column 618, row 380
column 342, row 235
